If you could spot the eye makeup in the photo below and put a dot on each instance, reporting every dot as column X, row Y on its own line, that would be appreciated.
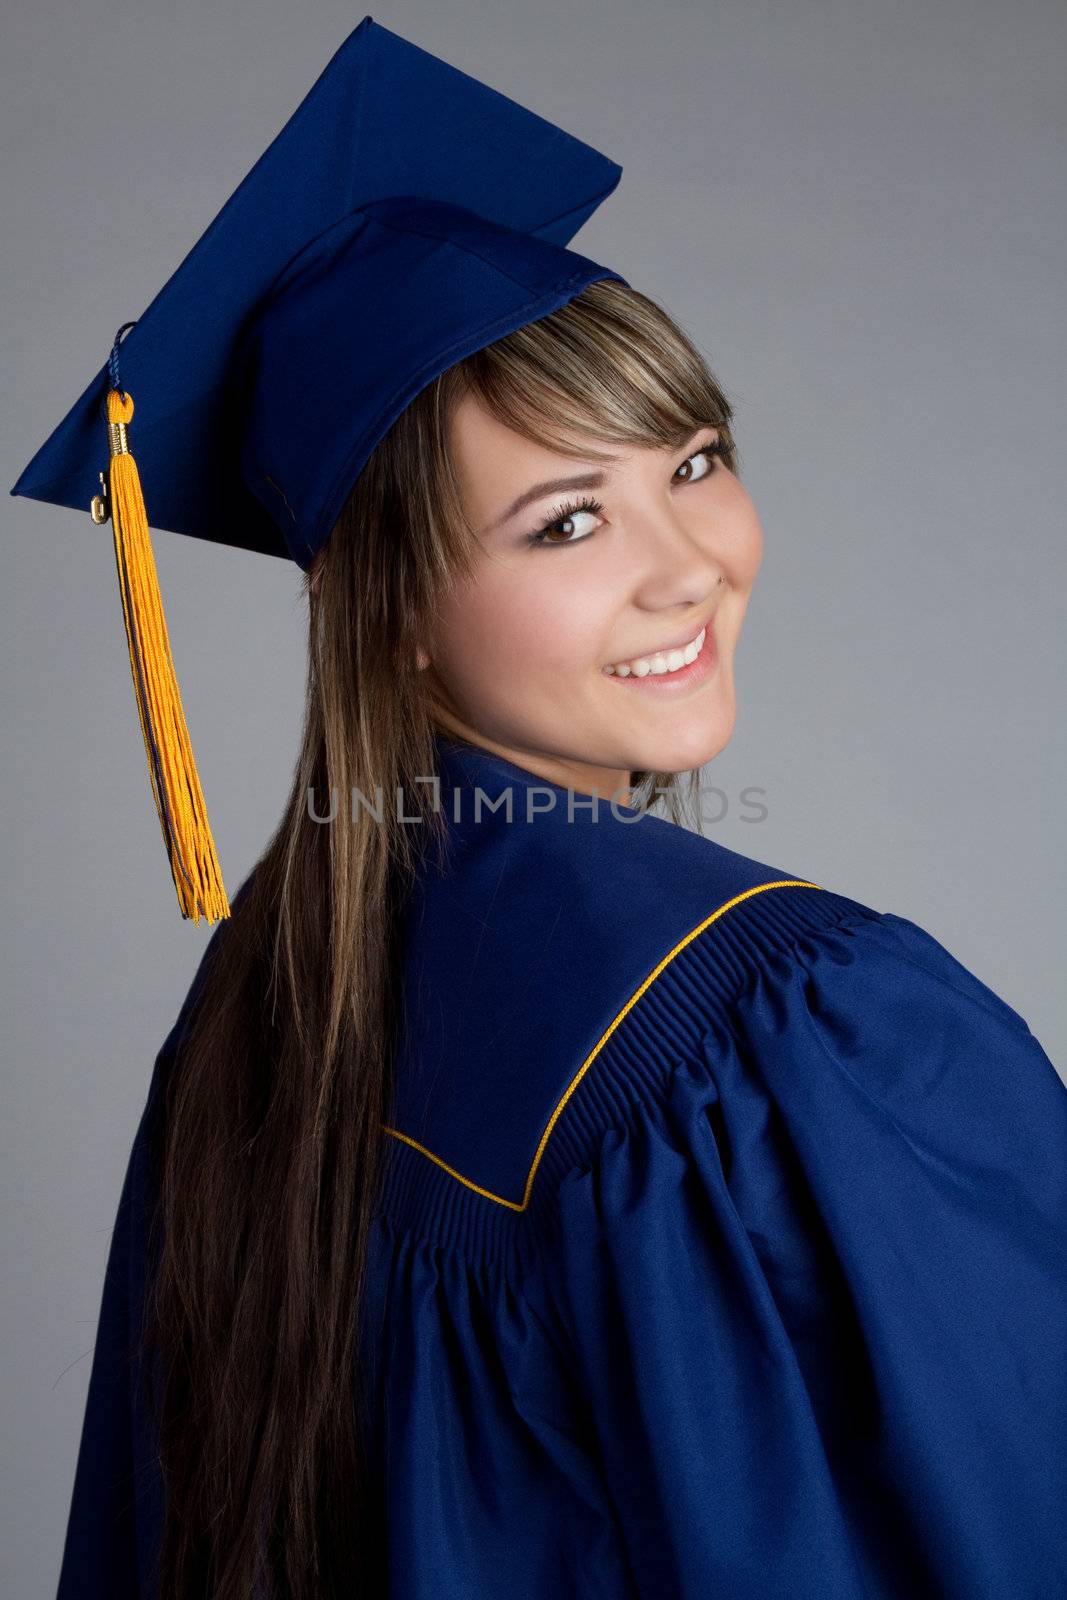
column 587, row 505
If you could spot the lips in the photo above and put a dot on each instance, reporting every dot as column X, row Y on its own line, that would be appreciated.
column 685, row 679
column 678, row 643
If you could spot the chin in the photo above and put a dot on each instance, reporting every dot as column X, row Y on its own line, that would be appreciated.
column 684, row 749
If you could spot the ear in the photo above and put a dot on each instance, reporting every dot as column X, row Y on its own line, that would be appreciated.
column 422, row 660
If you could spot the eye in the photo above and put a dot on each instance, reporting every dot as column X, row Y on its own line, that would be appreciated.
column 714, row 448
column 580, row 508
column 593, row 508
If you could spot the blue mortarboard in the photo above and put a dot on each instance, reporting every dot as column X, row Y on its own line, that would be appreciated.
column 404, row 217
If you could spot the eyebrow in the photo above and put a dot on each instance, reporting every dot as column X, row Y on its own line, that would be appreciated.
column 584, row 480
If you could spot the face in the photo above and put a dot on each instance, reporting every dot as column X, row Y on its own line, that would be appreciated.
column 518, row 656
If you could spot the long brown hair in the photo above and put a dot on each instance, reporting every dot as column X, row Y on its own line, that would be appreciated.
column 268, row 1144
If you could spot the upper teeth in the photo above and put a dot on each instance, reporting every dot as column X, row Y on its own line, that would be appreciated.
column 662, row 661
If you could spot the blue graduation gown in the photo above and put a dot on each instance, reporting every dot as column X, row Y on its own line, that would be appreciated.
column 722, row 1248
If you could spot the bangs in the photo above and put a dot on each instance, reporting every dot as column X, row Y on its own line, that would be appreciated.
column 609, row 367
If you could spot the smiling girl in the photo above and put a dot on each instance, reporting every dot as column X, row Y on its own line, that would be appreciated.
column 534, row 1198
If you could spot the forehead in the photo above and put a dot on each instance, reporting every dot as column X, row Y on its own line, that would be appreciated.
column 480, row 438
column 494, row 463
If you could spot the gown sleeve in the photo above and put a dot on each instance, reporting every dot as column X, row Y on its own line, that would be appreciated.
column 815, row 1290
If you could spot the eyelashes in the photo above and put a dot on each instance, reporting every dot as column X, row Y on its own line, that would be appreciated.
column 563, row 514
column 714, row 448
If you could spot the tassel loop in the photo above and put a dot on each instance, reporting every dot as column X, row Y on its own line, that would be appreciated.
column 175, row 782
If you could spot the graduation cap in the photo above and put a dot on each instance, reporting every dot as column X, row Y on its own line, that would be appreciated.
column 405, row 216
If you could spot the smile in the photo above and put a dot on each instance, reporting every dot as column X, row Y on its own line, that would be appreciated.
column 662, row 663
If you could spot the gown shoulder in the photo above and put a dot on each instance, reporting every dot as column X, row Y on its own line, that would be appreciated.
column 813, row 1290
column 538, row 939
column 556, row 968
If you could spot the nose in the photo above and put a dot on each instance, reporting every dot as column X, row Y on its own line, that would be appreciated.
column 679, row 564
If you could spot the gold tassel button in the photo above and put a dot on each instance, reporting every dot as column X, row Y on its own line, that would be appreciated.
column 175, row 782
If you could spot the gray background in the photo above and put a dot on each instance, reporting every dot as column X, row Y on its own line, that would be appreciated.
column 857, row 209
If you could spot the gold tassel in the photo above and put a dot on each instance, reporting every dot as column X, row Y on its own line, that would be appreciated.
column 175, row 784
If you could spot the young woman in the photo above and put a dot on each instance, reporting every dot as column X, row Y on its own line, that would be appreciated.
column 535, row 1198
column 703, row 1233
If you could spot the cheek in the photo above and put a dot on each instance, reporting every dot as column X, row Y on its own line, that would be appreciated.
column 742, row 537
column 526, row 618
